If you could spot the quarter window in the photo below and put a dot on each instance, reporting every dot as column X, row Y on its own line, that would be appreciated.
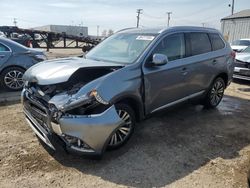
column 200, row 43
column 3, row 48
column 217, row 42
column 173, row 46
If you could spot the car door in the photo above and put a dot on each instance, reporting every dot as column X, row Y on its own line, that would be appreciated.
column 165, row 84
column 5, row 54
column 200, row 63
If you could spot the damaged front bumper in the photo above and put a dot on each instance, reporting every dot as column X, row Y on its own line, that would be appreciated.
column 85, row 134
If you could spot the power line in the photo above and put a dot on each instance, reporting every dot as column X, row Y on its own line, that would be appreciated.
column 208, row 8
column 153, row 17
column 139, row 11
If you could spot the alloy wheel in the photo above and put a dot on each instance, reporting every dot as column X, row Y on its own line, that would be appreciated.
column 13, row 79
column 216, row 93
column 123, row 131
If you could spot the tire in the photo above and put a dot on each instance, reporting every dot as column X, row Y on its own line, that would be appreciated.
column 122, row 134
column 11, row 78
column 215, row 93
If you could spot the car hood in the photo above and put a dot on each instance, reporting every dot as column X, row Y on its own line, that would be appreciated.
column 245, row 57
column 60, row 70
column 238, row 48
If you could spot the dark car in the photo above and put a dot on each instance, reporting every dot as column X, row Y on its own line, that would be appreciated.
column 25, row 40
column 90, row 104
column 15, row 59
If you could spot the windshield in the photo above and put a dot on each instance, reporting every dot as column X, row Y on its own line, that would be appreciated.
column 241, row 43
column 247, row 50
column 122, row 48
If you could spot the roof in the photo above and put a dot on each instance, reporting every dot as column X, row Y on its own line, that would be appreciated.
column 158, row 30
column 241, row 14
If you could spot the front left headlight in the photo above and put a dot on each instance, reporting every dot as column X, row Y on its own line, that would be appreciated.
column 66, row 102
column 75, row 102
column 41, row 57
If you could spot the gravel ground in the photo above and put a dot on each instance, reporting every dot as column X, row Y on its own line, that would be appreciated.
column 186, row 146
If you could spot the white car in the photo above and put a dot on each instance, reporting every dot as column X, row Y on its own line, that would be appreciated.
column 240, row 45
column 2, row 34
column 242, row 65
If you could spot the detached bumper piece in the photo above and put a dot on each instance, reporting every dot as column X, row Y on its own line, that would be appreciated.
column 82, row 134
column 242, row 73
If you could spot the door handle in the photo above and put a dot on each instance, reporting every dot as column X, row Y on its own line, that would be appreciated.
column 184, row 71
column 214, row 62
column 2, row 56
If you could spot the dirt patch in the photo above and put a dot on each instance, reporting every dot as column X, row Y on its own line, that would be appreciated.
column 186, row 146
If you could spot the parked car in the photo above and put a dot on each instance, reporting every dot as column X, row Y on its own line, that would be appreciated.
column 242, row 65
column 2, row 34
column 240, row 45
column 15, row 59
column 25, row 40
column 92, row 104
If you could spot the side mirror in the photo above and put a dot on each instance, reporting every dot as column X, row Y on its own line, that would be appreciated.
column 160, row 59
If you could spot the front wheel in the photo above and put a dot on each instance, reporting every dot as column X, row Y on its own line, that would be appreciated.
column 215, row 93
column 125, row 130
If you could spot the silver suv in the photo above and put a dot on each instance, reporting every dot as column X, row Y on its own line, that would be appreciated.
column 91, row 104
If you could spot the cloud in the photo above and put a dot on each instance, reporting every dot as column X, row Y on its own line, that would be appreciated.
column 63, row 5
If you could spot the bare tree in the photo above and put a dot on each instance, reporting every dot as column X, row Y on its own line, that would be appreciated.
column 110, row 32
column 104, row 33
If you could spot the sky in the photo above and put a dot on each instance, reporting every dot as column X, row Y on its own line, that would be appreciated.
column 116, row 14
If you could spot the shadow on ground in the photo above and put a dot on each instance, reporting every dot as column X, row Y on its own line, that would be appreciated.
column 172, row 144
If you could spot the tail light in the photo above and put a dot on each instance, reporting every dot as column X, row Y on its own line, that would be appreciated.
column 29, row 43
column 233, row 54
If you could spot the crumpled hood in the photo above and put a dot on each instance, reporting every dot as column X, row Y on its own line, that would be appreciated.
column 245, row 57
column 60, row 70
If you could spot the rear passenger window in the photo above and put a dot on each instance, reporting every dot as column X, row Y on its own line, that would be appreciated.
column 3, row 48
column 217, row 42
column 200, row 43
column 172, row 46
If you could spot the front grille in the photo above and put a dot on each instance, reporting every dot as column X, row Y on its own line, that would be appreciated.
column 37, row 110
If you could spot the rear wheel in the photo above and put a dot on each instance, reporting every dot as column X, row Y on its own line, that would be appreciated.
column 12, row 78
column 215, row 93
column 125, row 130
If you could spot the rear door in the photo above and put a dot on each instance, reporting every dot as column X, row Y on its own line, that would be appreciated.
column 5, row 54
column 200, row 62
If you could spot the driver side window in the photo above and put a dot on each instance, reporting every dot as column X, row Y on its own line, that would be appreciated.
column 173, row 46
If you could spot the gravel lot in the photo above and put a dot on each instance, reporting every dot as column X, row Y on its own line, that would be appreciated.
column 186, row 146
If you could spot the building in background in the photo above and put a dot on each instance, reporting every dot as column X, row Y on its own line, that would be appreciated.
column 68, row 29
column 236, row 26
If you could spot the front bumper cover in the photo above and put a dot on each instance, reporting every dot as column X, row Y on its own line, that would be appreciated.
column 242, row 73
column 94, row 130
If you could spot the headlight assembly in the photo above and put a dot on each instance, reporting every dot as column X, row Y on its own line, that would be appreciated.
column 66, row 102
column 41, row 57
column 95, row 94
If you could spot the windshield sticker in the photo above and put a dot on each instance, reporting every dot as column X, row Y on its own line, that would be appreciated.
column 145, row 38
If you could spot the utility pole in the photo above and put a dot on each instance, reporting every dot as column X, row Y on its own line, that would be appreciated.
column 169, row 13
column 97, row 31
column 203, row 24
column 232, row 6
column 139, row 11
column 15, row 22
